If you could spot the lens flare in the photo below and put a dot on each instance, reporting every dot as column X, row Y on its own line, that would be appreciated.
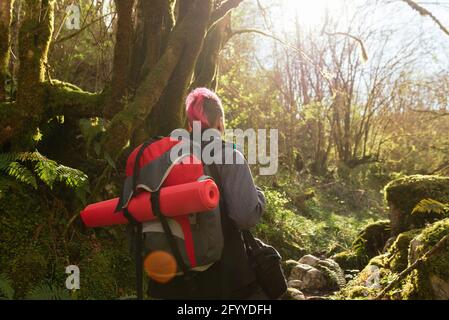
column 160, row 266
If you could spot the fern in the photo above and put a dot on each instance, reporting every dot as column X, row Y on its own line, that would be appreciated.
column 6, row 290
column 48, row 292
column 431, row 206
column 6, row 159
column 22, row 174
column 48, row 171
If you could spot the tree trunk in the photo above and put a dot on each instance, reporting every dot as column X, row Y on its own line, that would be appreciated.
column 5, row 23
column 119, row 81
column 170, row 77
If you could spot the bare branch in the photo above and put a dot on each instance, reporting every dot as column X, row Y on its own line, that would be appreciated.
column 359, row 41
column 424, row 12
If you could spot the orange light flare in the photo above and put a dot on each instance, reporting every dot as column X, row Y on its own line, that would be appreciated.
column 160, row 266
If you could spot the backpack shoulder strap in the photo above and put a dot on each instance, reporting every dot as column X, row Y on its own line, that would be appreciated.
column 137, row 226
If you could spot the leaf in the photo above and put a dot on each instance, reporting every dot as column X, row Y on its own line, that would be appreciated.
column 109, row 160
column 6, row 159
column 22, row 173
column 48, row 292
column 430, row 206
column 6, row 290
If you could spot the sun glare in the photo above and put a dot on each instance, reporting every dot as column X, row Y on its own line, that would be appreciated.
column 311, row 12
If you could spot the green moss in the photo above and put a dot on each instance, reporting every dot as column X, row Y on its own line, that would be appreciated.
column 398, row 252
column 106, row 268
column 368, row 244
column 358, row 293
column 28, row 268
column 332, row 272
column 404, row 194
column 418, row 285
column 349, row 260
column 67, row 99
column 34, row 250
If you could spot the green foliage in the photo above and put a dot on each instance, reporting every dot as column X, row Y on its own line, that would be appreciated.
column 17, row 165
column 426, row 206
column 91, row 130
column 295, row 235
column 6, row 289
column 48, row 292
column 398, row 253
column 368, row 244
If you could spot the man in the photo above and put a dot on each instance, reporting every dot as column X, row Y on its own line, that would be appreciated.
column 242, row 205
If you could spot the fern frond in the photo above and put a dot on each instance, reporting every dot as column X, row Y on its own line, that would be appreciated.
column 22, row 174
column 45, row 169
column 71, row 177
column 50, row 171
column 6, row 159
column 48, row 292
column 6, row 289
column 431, row 206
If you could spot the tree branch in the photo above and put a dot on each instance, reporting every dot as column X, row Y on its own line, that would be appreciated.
column 323, row 72
column 223, row 10
column 68, row 100
column 70, row 36
column 424, row 12
column 358, row 40
column 437, row 114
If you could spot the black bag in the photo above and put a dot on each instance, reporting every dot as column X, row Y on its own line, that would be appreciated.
column 266, row 262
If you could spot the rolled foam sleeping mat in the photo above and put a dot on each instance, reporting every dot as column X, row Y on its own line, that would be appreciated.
column 179, row 200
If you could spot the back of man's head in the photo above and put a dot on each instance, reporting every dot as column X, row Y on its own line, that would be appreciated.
column 204, row 106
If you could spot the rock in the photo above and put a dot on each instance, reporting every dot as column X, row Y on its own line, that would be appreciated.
column 429, row 280
column 316, row 298
column 294, row 294
column 369, row 243
column 296, row 284
column 398, row 256
column 413, row 250
column 309, row 259
column 404, row 194
column 315, row 279
column 299, row 271
column 312, row 274
column 334, row 273
column 440, row 287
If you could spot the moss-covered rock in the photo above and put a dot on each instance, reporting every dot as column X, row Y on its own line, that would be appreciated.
column 312, row 274
column 368, row 244
column 430, row 280
column 398, row 253
column 404, row 194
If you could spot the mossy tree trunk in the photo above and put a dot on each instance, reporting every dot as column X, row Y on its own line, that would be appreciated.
column 162, row 48
column 119, row 80
column 173, row 39
column 5, row 23
column 38, row 98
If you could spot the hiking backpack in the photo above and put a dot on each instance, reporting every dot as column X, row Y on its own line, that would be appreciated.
column 195, row 240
